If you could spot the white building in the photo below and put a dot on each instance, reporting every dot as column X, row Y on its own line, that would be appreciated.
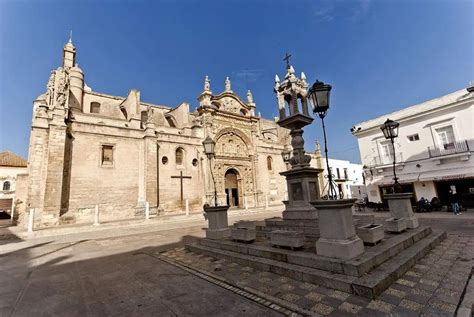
column 348, row 177
column 11, row 165
column 433, row 150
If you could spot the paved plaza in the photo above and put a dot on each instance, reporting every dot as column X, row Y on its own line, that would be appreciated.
column 108, row 273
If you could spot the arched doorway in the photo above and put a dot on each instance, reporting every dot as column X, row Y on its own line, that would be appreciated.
column 232, row 188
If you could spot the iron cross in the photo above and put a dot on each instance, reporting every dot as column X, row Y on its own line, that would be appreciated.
column 287, row 59
column 181, row 177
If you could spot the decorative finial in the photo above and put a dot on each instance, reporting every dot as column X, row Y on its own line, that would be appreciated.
column 287, row 59
column 227, row 84
column 277, row 79
column 207, row 84
column 318, row 146
column 70, row 37
column 249, row 97
column 303, row 76
column 291, row 70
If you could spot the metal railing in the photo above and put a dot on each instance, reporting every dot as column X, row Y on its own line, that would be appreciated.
column 450, row 148
column 386, row 160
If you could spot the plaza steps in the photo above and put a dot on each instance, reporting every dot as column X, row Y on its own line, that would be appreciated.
column 366, row 276
column 309, row 228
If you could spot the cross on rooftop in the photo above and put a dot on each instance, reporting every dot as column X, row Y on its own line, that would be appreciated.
column 287, row 59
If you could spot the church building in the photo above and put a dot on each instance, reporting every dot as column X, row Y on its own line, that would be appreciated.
column 88, row 148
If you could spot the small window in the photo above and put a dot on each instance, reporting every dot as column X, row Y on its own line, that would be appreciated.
column 338, row 173
column 164, row 160
column 6, row 186
column 243, row 112
column 107, row 154
column 269, row 163
column 195, row 162
column 95, row 107
column 345, row 174
column 179, row 156
column 413, row 137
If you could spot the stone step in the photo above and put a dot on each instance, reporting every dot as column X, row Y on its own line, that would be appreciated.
column 373, row 256
column 331, row 280
column 379, row 279
column 369, row 285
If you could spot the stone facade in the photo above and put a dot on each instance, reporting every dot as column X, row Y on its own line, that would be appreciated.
column 89, row 148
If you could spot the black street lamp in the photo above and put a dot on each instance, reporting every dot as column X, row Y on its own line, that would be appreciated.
column 209, row 146
column 318, row 96
column 390, row 132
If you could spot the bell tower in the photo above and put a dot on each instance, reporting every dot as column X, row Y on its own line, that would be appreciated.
column 69, row 56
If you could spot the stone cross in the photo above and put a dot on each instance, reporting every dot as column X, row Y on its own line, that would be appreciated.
column 287, row 59
column 181, row 177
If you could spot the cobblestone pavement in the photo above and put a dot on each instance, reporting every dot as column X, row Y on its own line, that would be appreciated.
column 432, row 287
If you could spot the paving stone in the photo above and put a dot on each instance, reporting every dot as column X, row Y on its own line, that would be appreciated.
column 403, row 312
column 349, row 308
column 304, row 303
column 394, row 300
column 358, row 300
column 405, row 282
column 339, row 295
column 367, row 312
column 411, row 305
column 308, row 286
column 333, row 302
column 395, row 292
column 314, row 296
column 287, row 287
column 438, row 304
column 290, row 297
column 380, row 306
column 322, row 309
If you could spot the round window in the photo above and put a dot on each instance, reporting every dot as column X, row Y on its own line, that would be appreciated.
column 195, row 162
column 164, row 160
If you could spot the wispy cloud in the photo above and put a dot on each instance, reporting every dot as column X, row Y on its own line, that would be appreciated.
column 362, row 8
column 324, row 12
column 247, row 75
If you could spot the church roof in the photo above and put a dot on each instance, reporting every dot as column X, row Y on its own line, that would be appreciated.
column 10, row 159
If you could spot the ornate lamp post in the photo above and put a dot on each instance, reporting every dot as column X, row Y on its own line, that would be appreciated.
column 286, row 154
column 390, row 132
column 209, row 146
column 318, row 96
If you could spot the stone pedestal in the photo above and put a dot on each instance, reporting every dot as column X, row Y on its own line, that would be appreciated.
column 399, row 205
column 245, row 224
column 218, row 224
column 338, row 237
column 303, row 187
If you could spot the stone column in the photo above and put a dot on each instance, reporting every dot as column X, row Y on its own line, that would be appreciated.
column 338, row 237
column 399, row 205
column 218, row 223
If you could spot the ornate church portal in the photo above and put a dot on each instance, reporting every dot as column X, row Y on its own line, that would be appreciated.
column 234, row 168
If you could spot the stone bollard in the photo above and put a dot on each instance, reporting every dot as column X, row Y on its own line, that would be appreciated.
column 338, row 238
column 147, row 211
column 187, row 207
column 31, row 219
column 96, row 216
column 218, row 224
column 399, row 205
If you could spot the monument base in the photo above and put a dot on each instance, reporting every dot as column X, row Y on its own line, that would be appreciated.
column 218, row 223
column 218, row 234
column 340, row 249
column 399, row 205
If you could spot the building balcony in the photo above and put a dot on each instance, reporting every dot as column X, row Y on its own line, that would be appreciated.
column 449, row 149
column 385, row 160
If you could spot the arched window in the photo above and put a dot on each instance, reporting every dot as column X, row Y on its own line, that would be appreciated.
column 95, row 107
column 269, row 163
column 6, row 186
column 179, row 156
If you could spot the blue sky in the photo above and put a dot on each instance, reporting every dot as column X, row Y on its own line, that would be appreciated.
column 379, row 55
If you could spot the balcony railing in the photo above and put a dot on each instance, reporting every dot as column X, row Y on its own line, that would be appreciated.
column 386, row 160
column 450, row 148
